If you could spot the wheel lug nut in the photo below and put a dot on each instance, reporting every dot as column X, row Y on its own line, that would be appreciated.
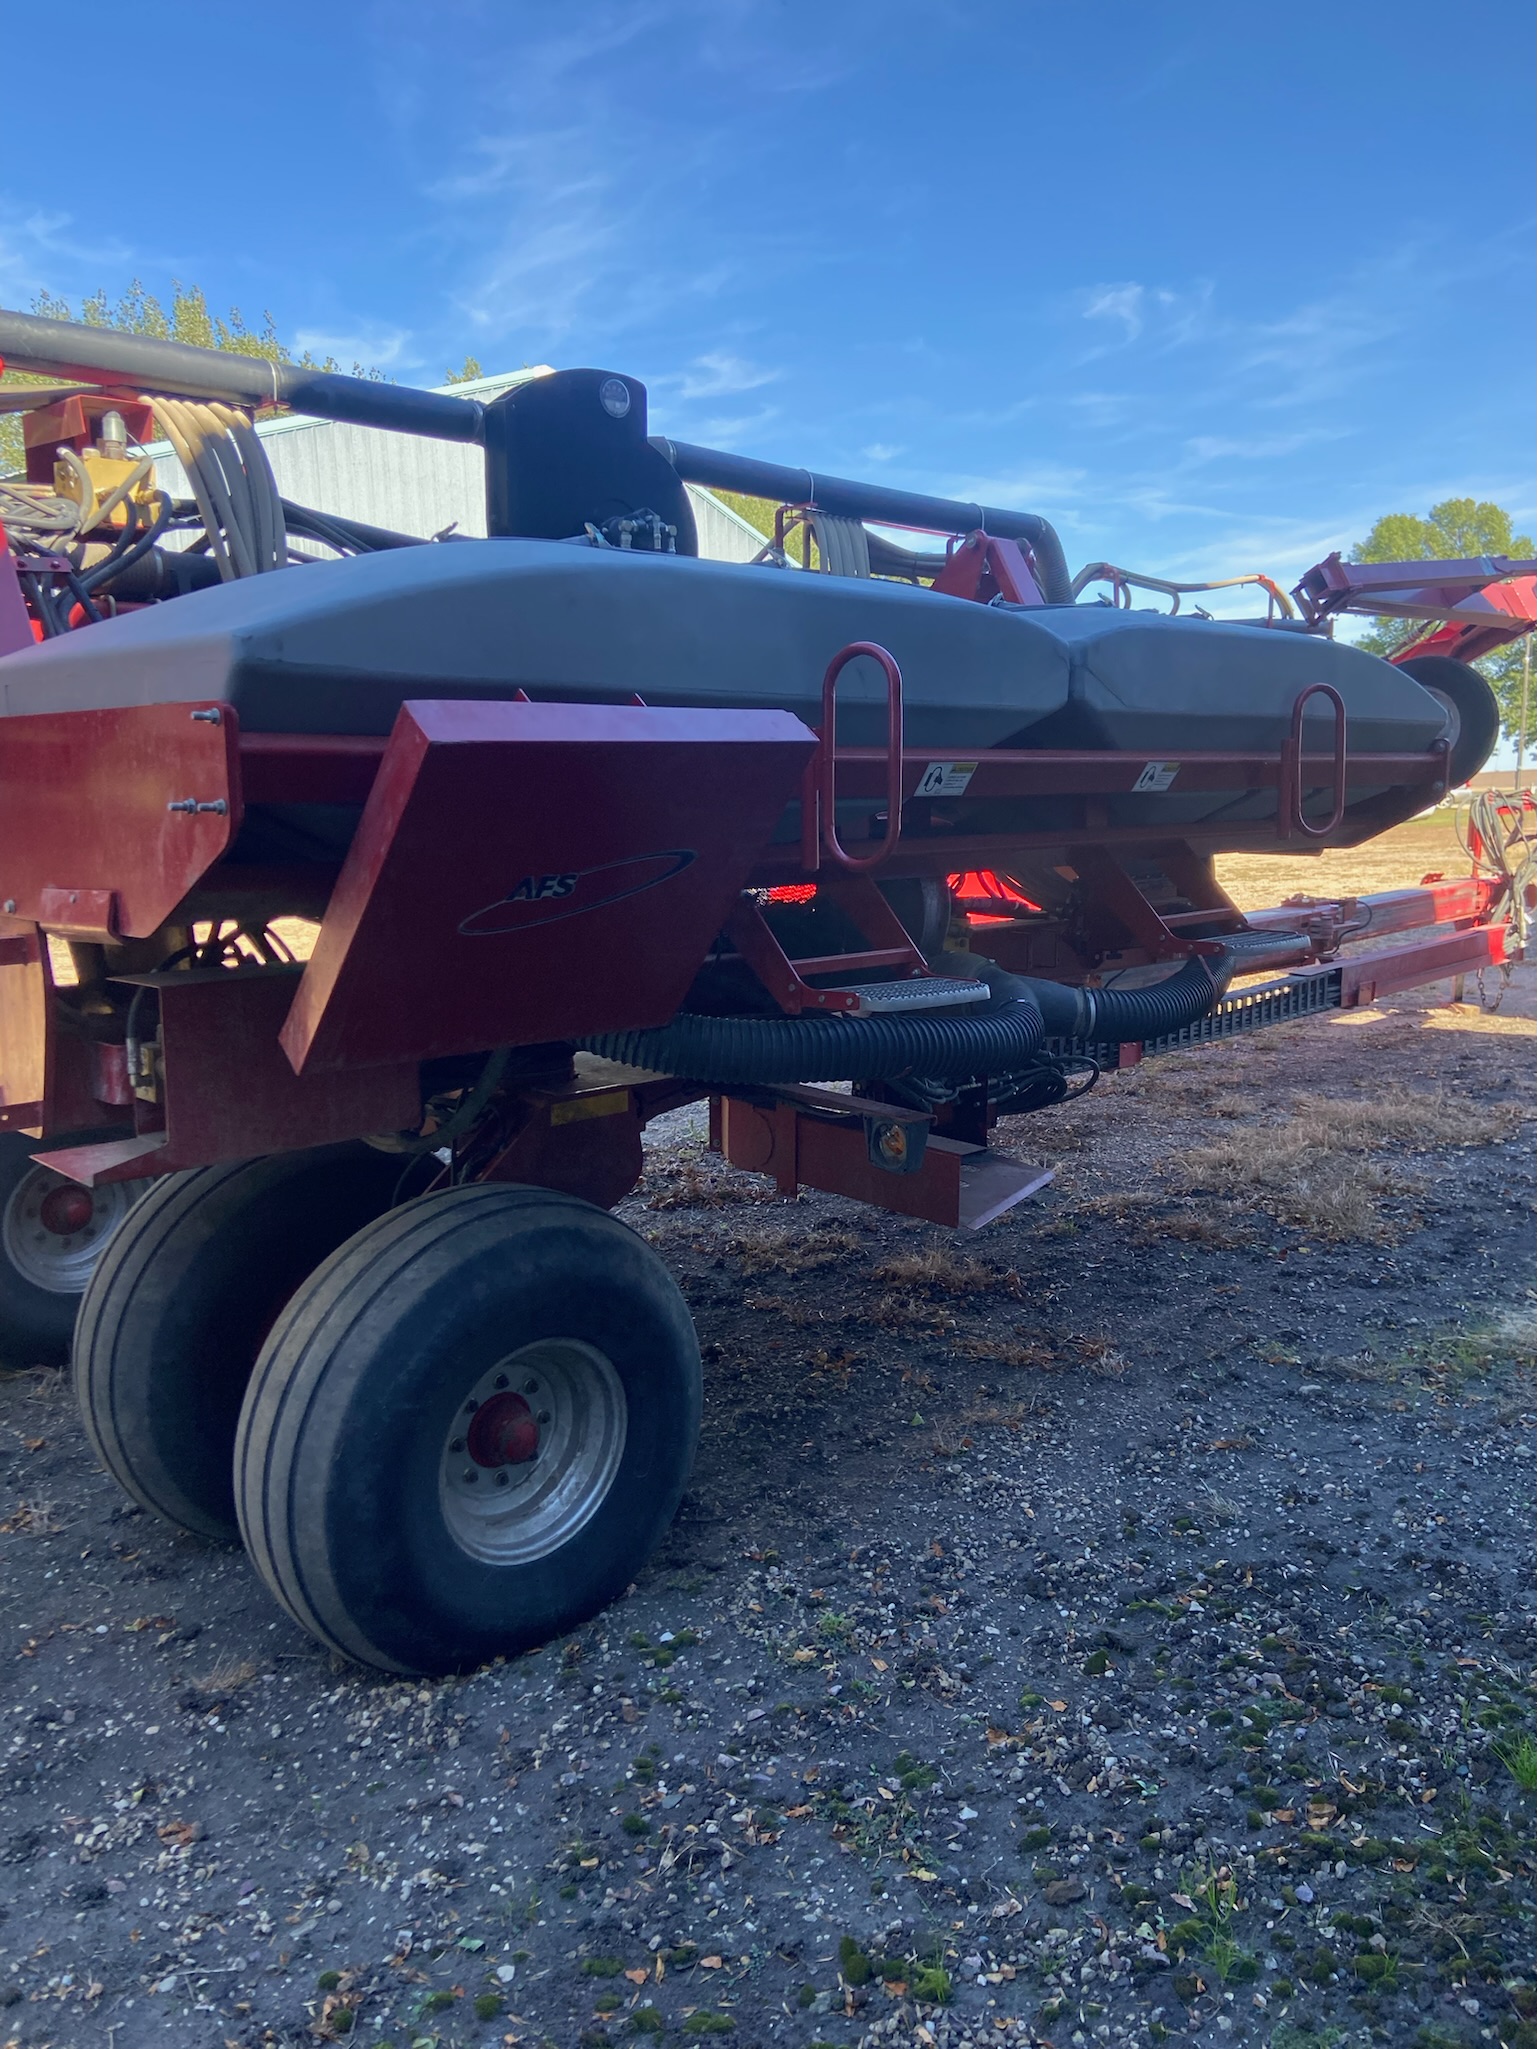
column 471, row 1476
column 470, row 1407
column 501, row 1380
column 457, row 1445
column 502, row 1479
column 530, row 1387
column 544, row 1417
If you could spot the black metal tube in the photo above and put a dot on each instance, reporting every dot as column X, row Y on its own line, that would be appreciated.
column 64, row 348
column 61, row 348
column 714, row 468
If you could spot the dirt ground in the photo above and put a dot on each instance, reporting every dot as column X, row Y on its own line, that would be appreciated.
column 1113, row 1627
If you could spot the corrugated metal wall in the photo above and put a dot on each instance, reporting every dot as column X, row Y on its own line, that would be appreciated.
column 414, row 485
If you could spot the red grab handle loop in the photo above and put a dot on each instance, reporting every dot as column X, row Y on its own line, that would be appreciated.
column 1291, row 795
column 827, row 767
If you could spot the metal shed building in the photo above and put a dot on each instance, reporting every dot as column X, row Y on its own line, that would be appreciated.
column 415, row 485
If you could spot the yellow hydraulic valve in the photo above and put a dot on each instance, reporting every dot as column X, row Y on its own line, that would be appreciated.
column 102, row 477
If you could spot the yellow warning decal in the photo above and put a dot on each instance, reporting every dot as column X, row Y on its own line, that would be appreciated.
column 602, row 1103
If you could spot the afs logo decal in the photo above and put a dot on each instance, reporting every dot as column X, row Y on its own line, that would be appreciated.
column 545, row 899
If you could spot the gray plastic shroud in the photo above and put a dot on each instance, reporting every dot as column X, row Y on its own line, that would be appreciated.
column 336, row 647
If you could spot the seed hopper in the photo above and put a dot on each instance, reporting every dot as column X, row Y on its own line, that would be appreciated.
column 885, row 838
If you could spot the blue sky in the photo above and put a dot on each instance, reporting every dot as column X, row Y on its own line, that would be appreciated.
column 1211, row 286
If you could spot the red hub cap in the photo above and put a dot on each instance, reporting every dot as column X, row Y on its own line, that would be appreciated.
column 66, row 1210
column 503, row 1432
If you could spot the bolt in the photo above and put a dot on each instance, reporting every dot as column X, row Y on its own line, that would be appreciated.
column 209, row 718
column 544, row 1417
column 471, row 1476
column 10, row 906
column 471, row 1406
column 530, row 1387
column 502, row 1479
column 457, row 1446
column 501, row 1380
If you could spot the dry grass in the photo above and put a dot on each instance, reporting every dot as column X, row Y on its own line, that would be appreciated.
column 1512, row 1334
column 1154, row 1218
column 33, row 1519
column 1217, row 1225
column 1310, row 1170
column 1420, row 1122
column 1397, row 860
column 959, row 1434
column 1216, row 1507
column 1100, row 1355
column 225, row 1679
column 1037, row 1358
column 794, row 1252
column 936, row 1270
column 1329, row 1195
column 697, row 1187
column 1508, row 1339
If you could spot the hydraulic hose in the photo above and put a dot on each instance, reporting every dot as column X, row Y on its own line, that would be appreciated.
column 1000, row 1038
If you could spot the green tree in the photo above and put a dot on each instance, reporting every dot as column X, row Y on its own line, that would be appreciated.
column 467, row 375
column 1455, row 529
column 186, row 319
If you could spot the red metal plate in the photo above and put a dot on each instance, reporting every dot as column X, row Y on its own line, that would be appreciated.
column 91, row 840
column 230, row 1093
column 525, row 872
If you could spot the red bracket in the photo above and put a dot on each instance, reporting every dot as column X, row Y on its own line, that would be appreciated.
column 987, row 566
column 785, row 979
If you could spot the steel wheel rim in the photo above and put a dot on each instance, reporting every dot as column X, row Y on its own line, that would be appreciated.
column 59, row 1260
column 510, row 1510
column 1451, row 732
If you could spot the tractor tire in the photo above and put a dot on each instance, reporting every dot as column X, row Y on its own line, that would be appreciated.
column 1473, row 711
column 52, row 1232
column 180, row 1303
column 468, row 1429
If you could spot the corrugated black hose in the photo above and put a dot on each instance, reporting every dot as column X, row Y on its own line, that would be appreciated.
column 1112, row 1016
column 998, row 1037
column 992, row 1038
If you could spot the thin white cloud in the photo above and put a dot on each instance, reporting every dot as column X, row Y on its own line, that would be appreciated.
column 733, row 429
column 1212, row 448
column 1122, row 303
column 380, row 350
column 718, row 375
column 1166, row 317
column 44, row 250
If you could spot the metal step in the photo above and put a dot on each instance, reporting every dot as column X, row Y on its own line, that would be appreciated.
column 924, row 992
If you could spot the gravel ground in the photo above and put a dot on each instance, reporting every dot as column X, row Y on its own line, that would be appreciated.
column 1106, row 1629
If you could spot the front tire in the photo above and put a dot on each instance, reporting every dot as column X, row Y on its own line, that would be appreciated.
column 468, row 1429
column 180, row 1303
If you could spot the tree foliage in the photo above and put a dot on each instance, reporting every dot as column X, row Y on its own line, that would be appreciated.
column 186, row 319
column 1454, row 530
column 467, row 374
